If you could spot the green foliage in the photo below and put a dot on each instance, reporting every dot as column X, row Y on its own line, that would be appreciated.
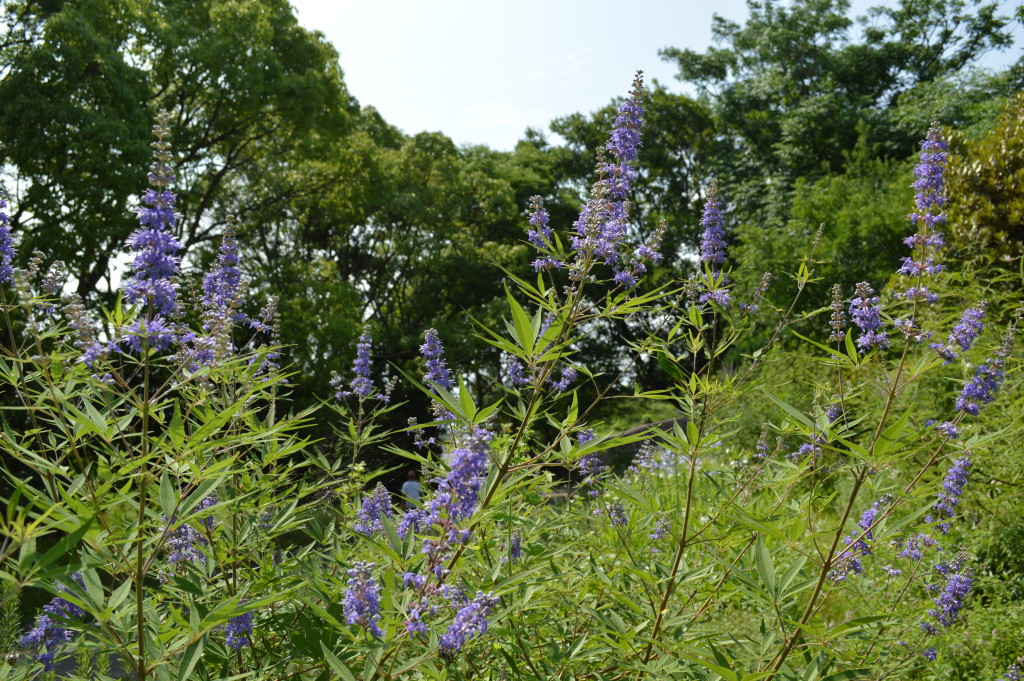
column 90, row 78
column 986, row 181
column 862, row 214
column 792, row 91
column 709, row 558
column 10, row 617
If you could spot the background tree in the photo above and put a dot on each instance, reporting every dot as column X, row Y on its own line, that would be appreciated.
column 986, row 176
column 246, row 86
column 792, row 91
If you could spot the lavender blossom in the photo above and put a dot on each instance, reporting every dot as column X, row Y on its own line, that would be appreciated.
column 592, row 469
column 375, row 507
column 49, row 634
column 470, row 621
column 239, row 631
column 362, row 384
column 865, row 313
column 157, row 334
column 963, row 334
column 952, row 488
column 154, row 244
column 754, row 305
column 643, row 461
column 969, row 327
column 458, row 491
column 947, row 429
column 808, row 449
column 268, row 321
column 928, row 217
column 617, row 515
column 515, row 548
column 540, row 236
column 912, row 548
column 362, row 600
column 155, row 260
column 222, row 286
column 858, row 542
column 712, row 241
column 930, row 184
column 918, row 293
column 602, row 223
column 415, row 624
column 949, row 603
column 183, row 545
column 721, row 297
column 1012, row 673
column 7, row 250
column 184, row 542
column 661, row 525
column 412, row 521
column 651, row 249
column 516, row 372
column 762, row 443
column 563, row 383
column 910, row 330
column 437, row 369
column 813, row 448
column 981, row 389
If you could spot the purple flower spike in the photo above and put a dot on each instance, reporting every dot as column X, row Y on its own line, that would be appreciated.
column 952, row 488
column 515, row 547
column 184, row 541
column 49, row 635
column 362, row 600
column 929, row 186
column 239, row 631
column 617, row 515
column 458, row 491
column 592, row 468
column 155, row 259
column 362, row 384
column 865, row 313
column 721, row 297
column 7, row 251
column 412, row 521
column 222, row 286
column 602, row 225
column 712, row 241
column 437, row 369
column 155, row 246
column 517, row 372
column 376, row 506
column 540, row 235
column 625, row 138
column 951, row 600
column 930, row 183
column 858, row 542
column 155, row 333
column 963, row 333
column 470, row 621
column 568, row 376
column 981, row 389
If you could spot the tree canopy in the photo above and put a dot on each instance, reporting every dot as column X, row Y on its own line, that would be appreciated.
column 803, row 116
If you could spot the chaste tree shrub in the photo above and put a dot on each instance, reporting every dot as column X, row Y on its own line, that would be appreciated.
column 185, row 529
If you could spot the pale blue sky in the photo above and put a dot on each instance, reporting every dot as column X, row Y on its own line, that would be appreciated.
column 481, row 71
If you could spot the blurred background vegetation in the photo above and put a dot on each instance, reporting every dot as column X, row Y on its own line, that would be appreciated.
column 803, row 120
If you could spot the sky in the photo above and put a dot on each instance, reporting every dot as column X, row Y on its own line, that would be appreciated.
column 482, row 71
